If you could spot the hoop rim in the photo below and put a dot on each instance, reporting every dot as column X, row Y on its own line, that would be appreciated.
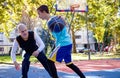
column 69, row 10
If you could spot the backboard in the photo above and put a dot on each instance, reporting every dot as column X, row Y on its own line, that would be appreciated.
column 71, row 5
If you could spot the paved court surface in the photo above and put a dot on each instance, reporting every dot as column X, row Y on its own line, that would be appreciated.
column 92, row 69
column 92, row 65
column 8, row 71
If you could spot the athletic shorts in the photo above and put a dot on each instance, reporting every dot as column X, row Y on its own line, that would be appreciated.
column 64, row 53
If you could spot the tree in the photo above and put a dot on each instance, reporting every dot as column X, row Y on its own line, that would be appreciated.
column 11, row 12
column 102, row 15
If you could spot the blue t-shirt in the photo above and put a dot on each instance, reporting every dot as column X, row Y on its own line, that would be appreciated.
column 59, row 33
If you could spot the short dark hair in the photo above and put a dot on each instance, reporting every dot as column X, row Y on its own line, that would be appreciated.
column 43, row 8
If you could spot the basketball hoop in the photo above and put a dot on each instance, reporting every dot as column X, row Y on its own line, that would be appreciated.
column 74, row 6
column 71, row 5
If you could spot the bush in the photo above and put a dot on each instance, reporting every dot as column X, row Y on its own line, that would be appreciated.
column 118, row 47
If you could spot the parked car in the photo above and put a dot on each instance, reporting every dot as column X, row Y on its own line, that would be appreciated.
column 85, row 50
column 80, row 49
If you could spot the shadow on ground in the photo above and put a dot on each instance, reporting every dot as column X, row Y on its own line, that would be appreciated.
column 114, row 73
column 8, row 71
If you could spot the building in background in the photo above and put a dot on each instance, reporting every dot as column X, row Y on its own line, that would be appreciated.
column 81, row 39
column 80, row 36
column 7, row 42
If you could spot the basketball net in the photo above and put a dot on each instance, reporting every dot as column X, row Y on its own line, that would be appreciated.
column 74, row 6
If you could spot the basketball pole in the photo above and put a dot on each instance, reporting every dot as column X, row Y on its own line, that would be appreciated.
column 72, row 13
column 88, row 46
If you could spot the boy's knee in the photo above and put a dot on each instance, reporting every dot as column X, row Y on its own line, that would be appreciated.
column 69, row 64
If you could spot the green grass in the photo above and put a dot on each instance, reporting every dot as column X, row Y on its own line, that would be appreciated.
column 75, row 56
column 80, row 56
column 7, row 59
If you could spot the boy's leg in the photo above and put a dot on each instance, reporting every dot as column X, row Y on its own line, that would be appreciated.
column 25, row 65
column 47, row 64
column 76, row 70
column 67, row 59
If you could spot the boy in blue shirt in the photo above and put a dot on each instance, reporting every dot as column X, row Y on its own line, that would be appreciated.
column 58, row 28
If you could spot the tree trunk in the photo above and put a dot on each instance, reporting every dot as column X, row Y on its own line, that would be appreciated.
column 74, row 42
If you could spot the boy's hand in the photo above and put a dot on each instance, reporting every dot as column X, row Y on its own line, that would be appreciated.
column 35, row 53
column 17, row 66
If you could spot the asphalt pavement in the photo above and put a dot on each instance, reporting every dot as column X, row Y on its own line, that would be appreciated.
column 8, row 71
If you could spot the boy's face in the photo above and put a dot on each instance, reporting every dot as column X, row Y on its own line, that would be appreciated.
column 42, row 15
